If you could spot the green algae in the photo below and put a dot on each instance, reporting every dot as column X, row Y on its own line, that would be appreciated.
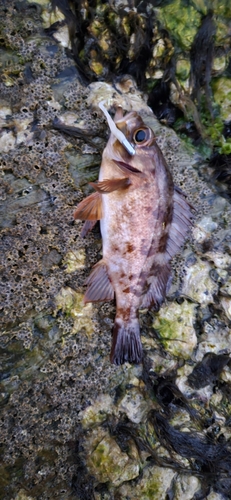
column 182, row 69
column 181, row 21
column 71, row 303
column 74, row 260
column 222, row 94
column 98, row 412
column 108, row 463
column 174, row 324
column 154, row 482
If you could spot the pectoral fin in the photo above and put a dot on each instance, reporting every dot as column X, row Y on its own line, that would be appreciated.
column 90, row 208
column 99, row 284
column 109, row 185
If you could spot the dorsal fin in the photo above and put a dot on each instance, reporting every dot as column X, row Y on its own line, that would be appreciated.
column 90, row 208
column 161, row 271
column 181, row 222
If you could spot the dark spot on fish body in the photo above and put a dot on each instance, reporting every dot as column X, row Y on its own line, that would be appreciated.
column 134, row 290
column 130, row 248
column 169, row 213
column 143, row 288
column 124, row 314
column 152, row 249
column 115, row 248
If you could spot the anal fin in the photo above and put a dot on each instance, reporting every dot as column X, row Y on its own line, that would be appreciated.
column 159, row 285
column 90, row 208
column 99, row 285
column 88, row 226
column 110, row 185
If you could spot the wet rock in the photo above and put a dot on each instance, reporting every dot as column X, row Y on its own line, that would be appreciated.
column 174, row 324
column 154, row 483
column 72, row 304
column 134, row 406
column 203, row 229
column 198, row 285
column 186, row 487
column 74, row 260
column 22, row 495
column 108, row 463
column 98, row 412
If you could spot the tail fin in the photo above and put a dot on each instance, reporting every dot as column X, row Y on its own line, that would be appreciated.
column 126, row 343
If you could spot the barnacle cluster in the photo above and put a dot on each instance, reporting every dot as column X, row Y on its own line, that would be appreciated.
column 72, row 425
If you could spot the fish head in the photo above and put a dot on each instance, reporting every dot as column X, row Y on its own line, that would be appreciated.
column 139, row 136
column 134, row 129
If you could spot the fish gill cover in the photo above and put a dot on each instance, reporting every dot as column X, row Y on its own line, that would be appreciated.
column 72, row 425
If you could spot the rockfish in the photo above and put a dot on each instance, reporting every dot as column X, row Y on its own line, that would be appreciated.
column 144, row 219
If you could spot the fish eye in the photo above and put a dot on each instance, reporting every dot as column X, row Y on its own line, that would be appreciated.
column 140, row 136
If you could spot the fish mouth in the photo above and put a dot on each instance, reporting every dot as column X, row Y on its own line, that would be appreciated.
column 126, row 168
column 116, row 132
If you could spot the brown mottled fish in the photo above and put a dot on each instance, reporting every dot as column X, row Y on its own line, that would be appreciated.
column 143, row 219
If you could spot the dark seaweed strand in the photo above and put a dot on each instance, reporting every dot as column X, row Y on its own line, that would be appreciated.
column 201, row 58
column 209, row 459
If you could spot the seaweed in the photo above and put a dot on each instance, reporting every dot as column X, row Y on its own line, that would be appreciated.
column 108, row 40
column 208, row 458
column 208, row 370
column 82, row 481
column 165, row 390
column 212, row 460
column 161, row 104
column 201, row 58
column 77, row 27
column 221, row 165
column 143, row 50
